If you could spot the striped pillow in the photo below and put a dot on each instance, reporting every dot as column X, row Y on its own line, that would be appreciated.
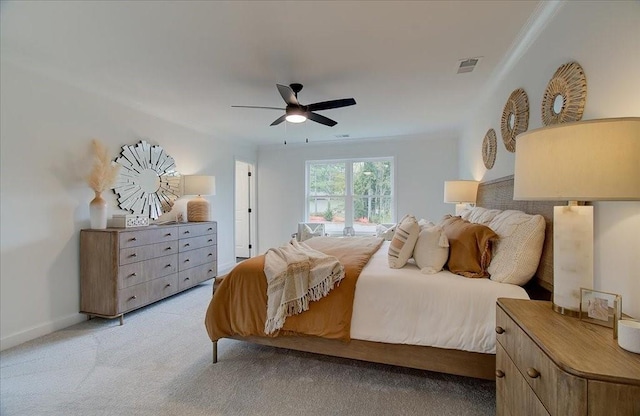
column 403, row 242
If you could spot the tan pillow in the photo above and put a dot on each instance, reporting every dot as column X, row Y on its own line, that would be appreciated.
column 469, row 246
column 517, row 253
column 431, row 250
column 403, row 242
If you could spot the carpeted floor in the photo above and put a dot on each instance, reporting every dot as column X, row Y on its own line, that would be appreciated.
column 159, row 363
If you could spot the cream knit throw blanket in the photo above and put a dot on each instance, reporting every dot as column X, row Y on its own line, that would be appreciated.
column 296, row 274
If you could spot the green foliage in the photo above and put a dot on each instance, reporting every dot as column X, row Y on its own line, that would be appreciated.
column 328, row 214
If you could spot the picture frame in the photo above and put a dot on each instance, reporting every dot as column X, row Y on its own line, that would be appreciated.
column 601, row 308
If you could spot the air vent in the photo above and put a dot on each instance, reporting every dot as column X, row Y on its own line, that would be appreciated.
column 467, row 65
column 342, row 136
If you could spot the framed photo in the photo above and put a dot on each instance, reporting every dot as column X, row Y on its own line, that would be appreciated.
column 600, row 308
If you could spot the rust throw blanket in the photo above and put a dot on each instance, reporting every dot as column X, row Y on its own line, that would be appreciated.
column 239, row 305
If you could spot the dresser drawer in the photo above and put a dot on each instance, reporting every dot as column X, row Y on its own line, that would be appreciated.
column 141, row 253
column 193, row 243
column 536, row 368
column 512, row 391
column 194, row 230
column 146, row 236
column 195, row 275
column 139, row 295
column 139, row 272
column 193, row 258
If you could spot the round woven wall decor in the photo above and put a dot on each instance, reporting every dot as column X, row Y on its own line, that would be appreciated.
column 489, row 148
column 565, row 95
column 515, row 118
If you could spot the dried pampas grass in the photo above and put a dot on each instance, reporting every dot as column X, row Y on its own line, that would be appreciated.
column 104, row 172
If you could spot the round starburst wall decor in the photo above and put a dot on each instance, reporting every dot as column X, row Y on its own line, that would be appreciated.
column 489, row 148
column 565, row 96
column 148, row 182
column 515, row 118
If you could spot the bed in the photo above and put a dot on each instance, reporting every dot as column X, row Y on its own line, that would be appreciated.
column 370, row 331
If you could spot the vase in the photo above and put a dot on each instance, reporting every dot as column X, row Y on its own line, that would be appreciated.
column 98, row 212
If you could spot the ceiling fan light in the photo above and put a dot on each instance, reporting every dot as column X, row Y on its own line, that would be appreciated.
column 296, row 118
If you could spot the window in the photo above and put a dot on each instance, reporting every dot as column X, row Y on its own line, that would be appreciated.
column 354, row 193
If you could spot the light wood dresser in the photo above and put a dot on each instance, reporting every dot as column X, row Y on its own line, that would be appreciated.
column 551, row 364
column 122, row 269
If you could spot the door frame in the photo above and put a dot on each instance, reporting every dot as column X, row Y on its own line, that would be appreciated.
column 253, row 215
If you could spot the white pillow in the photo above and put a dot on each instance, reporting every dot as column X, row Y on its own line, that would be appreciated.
column 425, row 224
column 386, row 231
column 403, row 242
column 432, row 250
column 479, row 215
column 517, row 252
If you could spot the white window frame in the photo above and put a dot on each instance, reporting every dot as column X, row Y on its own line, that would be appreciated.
column 348, row 221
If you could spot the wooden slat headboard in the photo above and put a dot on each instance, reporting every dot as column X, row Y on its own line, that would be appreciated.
column 498, row 194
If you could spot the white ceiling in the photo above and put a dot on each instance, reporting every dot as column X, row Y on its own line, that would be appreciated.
column 189, row 61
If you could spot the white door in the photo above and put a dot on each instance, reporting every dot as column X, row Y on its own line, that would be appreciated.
column 243, row 212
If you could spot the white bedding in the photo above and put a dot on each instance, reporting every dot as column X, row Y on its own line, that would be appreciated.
column 404, row 306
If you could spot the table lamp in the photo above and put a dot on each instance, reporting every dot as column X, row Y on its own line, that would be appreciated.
column 198, row 208
column 460, row 193
column 592, row 160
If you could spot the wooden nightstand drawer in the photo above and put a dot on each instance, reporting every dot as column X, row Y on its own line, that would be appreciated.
column 193, row 243
column 140, row 272
column 141, row 253
column 512, row 390
column 536, row 368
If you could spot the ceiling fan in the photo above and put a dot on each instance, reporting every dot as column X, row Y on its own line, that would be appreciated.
column 298, row 113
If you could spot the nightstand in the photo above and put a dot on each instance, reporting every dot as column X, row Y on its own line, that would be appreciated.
column 551, row 364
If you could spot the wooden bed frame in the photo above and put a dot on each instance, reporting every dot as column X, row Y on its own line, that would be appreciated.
column 495, row 194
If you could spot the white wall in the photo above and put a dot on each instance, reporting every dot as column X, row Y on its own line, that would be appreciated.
column 422, row 164
column 604, row 38
column 46, row 130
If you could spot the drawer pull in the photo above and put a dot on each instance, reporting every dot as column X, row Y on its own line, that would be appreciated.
column 133, row 239
column 186, row 232
column 186, row 278
column 133, row 255
column 499, row 373
column 210, row 254
column 533, row 373
column 167, row 285
column 210, row 240
column 168, row 248
column 187, row 260
column 133, row 275
column 187, row 245
column 499, row 330
column 209, row 229
column 167, row 235
column 210, row 271
column 134, row 297
column 168, row 265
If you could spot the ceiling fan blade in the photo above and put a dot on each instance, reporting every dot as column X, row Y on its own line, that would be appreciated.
column 279, row 120
column 288, row 95
column 254, row 106
column 321, row 119
column 327, row 105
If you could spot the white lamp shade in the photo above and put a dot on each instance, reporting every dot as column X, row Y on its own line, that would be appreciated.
column 594, row 160
column 199, row 185
column 459, row 192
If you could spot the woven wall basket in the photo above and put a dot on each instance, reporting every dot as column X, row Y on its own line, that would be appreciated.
column 515, row 118
column 489, row 148
column 569, row 87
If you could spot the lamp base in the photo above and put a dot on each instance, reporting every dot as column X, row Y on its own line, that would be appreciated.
column 572, row 256
column 565, row 311
column 198, row 210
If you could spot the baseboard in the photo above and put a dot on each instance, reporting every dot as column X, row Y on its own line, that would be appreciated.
column 40, row 330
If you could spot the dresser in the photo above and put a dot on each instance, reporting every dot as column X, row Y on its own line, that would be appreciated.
column 551, row 364
column 122, row 269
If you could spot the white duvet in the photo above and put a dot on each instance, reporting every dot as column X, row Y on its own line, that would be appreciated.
column 404, row 306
